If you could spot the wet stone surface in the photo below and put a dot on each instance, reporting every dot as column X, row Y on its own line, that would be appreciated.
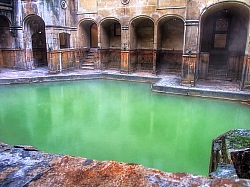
column 230, row 155
column 241, row 161
column 167, row 83
column 20, row 166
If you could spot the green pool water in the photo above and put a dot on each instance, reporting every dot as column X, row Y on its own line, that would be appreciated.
column 121, row 121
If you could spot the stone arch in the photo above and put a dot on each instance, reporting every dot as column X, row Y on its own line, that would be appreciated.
column 110, row 33
column 142, row 32
column 110, row 43
column 6, row 36
column 88, row 34
column 6, row 43
column 170, row 41
column 223, row 40
column 35, row 41
column 142, row 43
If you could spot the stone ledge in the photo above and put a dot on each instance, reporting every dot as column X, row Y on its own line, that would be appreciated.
column 26, row 166
column 230, row 155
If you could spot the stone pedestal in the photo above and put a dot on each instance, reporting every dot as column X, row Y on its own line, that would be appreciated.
column 245, row 79
column 188, row 69
column 64, row 59
column 77, row 58
column 203, row 65
column 54, row 61
column 125, row 68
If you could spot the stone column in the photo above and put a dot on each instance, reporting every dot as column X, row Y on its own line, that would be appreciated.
column 155, row 48
column 154, row 61
column 17, row 32
column 125, row 62
column 190, row 56
column 125, row 54
column 245, row 79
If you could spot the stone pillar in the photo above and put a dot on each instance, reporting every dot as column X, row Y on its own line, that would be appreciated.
column 125, row 54
column 190, row 57
column 188, row 69
column 54, row 61
column 154, row 61
column 245, row 79
column 125, row 68
column 77, row 58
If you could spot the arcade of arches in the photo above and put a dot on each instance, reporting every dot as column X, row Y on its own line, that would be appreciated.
column 191, row 39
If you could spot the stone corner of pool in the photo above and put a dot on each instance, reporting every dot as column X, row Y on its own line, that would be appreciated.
column 27, row 166
column 201, row 92
column 230, row 155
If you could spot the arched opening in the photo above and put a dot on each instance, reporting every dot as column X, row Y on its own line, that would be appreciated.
column 5, row 34
column 170, row 37
column 88, row 34
column 110, row 35
column 224, row 29
column 35, row 40
column 141, row 44
column 6, row 41
column 88, row 44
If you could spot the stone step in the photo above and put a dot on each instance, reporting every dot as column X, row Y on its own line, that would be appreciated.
column 87, row 68
column 88, row 64
column 89, row 61
column 216, row 77
column 90, row 56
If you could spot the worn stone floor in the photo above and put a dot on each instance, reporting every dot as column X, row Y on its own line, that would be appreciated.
column 166, row 80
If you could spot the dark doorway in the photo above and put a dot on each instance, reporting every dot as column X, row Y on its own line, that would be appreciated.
column 218, row 63
column 36, row 49
column 6, row 37
column 142, row 44
column 223, row 41
column 88, row 34
column 94, row 34
column 110, row 52
column 64, row 40
column 170, row 36
column 39, row 49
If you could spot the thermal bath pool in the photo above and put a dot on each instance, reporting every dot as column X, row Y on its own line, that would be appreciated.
column 115, row 120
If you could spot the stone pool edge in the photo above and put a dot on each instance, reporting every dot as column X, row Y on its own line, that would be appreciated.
column 27, row 166
column 201, row 92
column 155, row 87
